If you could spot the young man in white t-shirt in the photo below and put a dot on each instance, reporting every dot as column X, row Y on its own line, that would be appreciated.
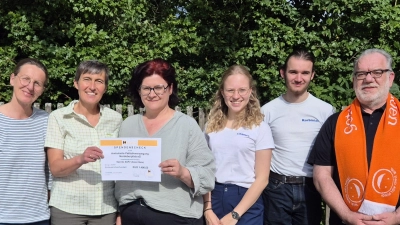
column 295, row 118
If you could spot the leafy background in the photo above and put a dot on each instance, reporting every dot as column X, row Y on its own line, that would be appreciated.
column 201, row 38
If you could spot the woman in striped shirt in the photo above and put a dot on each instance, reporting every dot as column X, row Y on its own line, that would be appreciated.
column 23, row 167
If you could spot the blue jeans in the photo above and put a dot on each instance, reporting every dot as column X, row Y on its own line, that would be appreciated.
column 296, row 204
column 225, row 197
column 44, row 222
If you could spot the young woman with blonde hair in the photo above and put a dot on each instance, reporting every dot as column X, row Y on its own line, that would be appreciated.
column 241, row 143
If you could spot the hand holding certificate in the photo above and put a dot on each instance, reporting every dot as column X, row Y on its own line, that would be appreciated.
column 135, row 159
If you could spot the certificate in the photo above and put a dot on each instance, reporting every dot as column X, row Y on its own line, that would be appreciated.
column 134, row 159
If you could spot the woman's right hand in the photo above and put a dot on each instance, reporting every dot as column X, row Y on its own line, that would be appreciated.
column 91, row 154
column 211, row 218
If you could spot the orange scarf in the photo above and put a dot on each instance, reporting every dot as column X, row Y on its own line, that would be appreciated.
column 377, row 190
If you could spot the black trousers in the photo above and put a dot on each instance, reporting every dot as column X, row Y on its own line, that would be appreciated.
column 138, row 213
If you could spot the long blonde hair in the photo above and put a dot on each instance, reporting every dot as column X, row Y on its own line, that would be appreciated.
column 247, row 118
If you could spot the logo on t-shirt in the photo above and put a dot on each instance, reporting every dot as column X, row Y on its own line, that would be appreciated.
column 310, row 120
column 246, row 135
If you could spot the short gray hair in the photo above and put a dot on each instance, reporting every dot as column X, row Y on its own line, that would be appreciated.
column 389, row 58
column 92, row 67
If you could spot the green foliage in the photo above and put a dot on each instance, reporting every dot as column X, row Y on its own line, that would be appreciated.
column 201, row 39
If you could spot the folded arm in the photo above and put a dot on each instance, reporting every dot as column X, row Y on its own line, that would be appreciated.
column 330, row 193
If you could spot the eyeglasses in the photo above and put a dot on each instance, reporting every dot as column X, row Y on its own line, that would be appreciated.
column 240, row 91
column 361, row 75
column 25, row 81
column 158, row 90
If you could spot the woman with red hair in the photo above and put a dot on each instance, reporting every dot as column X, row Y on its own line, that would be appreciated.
column 187, row 163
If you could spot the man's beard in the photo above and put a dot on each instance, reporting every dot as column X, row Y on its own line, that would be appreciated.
column 373, row 100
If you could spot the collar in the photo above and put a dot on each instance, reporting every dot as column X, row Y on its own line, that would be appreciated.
column 69, row 109
column 381, row 109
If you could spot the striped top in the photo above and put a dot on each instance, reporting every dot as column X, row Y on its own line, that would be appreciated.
column 82, row 192
column 23, row 188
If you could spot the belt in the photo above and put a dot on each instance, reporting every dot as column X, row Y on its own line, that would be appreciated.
column 291, row 179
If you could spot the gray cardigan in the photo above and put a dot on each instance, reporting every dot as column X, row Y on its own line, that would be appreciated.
column 181, row 139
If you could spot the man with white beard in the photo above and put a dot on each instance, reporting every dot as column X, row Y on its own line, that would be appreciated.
column 356, row 153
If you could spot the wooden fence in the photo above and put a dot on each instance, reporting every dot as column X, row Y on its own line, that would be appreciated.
column 201, row 117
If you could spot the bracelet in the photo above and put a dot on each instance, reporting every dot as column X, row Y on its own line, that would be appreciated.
column 206, row 201
column 206, row 210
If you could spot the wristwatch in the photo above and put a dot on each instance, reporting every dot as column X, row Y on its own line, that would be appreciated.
column 235, row 215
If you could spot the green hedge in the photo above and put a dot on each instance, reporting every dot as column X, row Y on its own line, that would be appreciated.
column 200, row 37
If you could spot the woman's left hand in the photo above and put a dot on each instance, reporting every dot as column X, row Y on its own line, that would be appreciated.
column 228, row 220
column 172, row 167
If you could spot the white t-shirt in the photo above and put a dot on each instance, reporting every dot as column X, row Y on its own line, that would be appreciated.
column 234, row 152
column 294, row 128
